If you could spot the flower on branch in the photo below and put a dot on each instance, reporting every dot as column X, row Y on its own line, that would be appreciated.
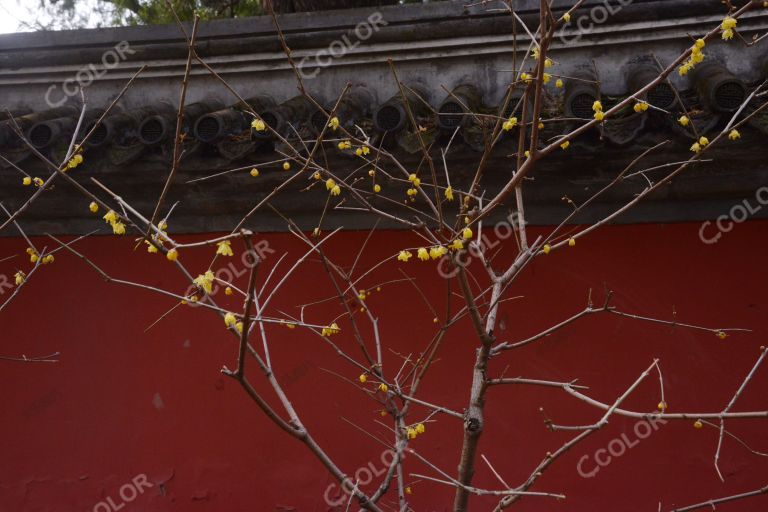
column 331, row 329
column 404, row 256
column 258, row 125
column 224, row 248
column 205, row 281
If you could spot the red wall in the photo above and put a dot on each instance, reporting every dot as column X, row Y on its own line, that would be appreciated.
column 123, row 402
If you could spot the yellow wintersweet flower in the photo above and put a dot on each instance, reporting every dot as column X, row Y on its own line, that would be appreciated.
column 38, row 182
column 93, row 207
column 423, row 254
column 728, row 23
column 700, row 43
column 411, row 192
column 683, row 120
column 599, row 116
column 695, row 147
column 150, row 247
column 333, row 124
column 703, row 141
column 565, row 144
column 721, row 335
column 571, row 242
column 377, row 188
column 33, row 258
column 336, row 190
column 110, row 217
column 597, row 106
column 363, row 378
column 172, row 255
column 509, row 124
column 258, row 125
column 383, row 387
column 546, row 77
column 685, row 68
column 331, row 329
column 286, row 166
column 525, row 77
column 734, row 134
column 254, row 172
column 411, row 433
column 466, row 233
column 420, row 428
column 19, row 277
column 546, row 249
column 359, row 151
column 239, row 327
column 449, row 193
column 345, row 144
column 641, row 106
column 230, row 319
column 228, row 290
column 727, row 34
column 437, row 252
column 404, row 256
column 457, row 245
column 548, row 63
column 330, row 183
column 48, row 259
column 118, row 228
column 224, row 248
column 317, row 175
column 697, row 424
column 567, row 17
column 205, row 281
column 559, row 84
column 26, row 181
